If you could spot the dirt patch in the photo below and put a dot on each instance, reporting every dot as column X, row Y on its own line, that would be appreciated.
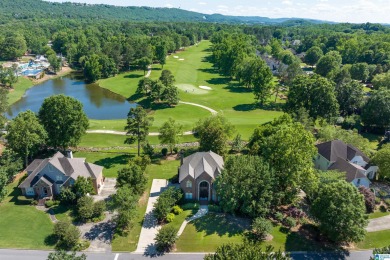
column 1, row 149
column 64, row 71
column 172, row 157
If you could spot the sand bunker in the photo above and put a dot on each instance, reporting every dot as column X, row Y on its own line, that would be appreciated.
column 176, row 57
column 205, row 87
column 181, row 59
column 191, row 89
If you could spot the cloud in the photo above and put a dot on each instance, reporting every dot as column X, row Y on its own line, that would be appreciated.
column 287, row 2
column 202, row 3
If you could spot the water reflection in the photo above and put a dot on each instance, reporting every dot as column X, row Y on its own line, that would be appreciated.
column 98, row 103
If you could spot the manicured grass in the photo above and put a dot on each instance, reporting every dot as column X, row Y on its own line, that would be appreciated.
column 378, row 214
column 164, row 170
column 115, row 124
column 375, row 240
column 111, row 161
column 103, row 140
column 228, row 98
column 19, row 89
column 62, row 213
column 179, row 219
column 207, row 233
column 22, row 225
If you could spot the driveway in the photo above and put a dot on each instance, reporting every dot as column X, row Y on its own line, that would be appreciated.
column 150, row 227
column 100, row 234
column 378, row 224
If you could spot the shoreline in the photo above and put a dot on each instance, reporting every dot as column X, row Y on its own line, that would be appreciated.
column 65, row 71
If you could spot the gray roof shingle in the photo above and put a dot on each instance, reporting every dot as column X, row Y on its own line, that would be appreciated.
column 351, row 170
column 338, row 149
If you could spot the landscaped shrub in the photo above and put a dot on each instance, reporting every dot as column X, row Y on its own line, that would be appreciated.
column 85, row 208
column 82, row 245
column 164, row 151
column 98, row 209
column 49, row 203
column 290, row 222
column 377, row 200
column 148, row 149
column 170, row 217
column 142, row 161
column 133, row 177
column 177, row 210
column 215, row 208
column 166, row 238
column 369, row 198
column 166, row 201
column 279, row 217
column 190, row 205
column 67, row 196
column 261, row 227
column 34, row 202
column 175, row 149
column 382, row 208
column 387, row 202
column 382, row 193
column 66, row 234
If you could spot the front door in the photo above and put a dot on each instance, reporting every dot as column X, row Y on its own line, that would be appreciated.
column 204, row 190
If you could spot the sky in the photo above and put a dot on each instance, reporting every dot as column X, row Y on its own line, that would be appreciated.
column 353, row 11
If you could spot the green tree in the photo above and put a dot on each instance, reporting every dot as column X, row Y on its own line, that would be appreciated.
column 237, row 143
column 165, row 202
column 63, row 255
column 290, row 149
column 133, row 177
column 376, row 111
column 170, row 133
column 313, row 55
column 369, row 198
column 213, row 133
column 55, row 62
column 170, row 95
column 167, row 78
column 13, row 47
column 137, row 127
column 82, row 186
column 246, row 251
column 161, row 54
column 64, row 120
column 25, row 134
column 85, row 208
column 245, row 186
column 359, row 71
column 4, row 178
column 350, row 97
column 67, row 234
column 166, row 238
column 329, row 64
column 340, row 210
column 125, row 202
column 3, row 105
column 381, row 81
column 382, row 160
column 261, row 227
column 144, row 63
column 304, row 92
column 144, row 86
column 92, row 68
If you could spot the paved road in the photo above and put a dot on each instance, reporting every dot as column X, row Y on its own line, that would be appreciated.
column 378, row 224
column 11, row 254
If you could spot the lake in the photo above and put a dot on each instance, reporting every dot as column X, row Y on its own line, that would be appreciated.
column 99, row 103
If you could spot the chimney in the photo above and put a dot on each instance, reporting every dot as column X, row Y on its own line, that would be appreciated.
column 69, row 154
column 181, row 157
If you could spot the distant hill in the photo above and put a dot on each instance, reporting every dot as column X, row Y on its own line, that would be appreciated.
column 28, row 9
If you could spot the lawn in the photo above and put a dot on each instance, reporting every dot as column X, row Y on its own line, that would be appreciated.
column 22, row 225
column 378, row 214
column 19, row 89
column 228, row 98
column 164, row 170
column 375, row 240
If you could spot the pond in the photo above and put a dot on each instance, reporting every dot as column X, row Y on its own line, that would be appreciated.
column 99, row 103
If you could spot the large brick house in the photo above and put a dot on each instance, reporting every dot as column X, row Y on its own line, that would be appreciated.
column 197, row 174
column 46, row 177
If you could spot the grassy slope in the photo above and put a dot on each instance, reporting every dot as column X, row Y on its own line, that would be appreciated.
column 19, row 89
column 375, row 240
column 22, row 225
column 234, row 102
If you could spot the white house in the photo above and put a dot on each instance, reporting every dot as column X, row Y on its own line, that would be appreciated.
column 337, row 155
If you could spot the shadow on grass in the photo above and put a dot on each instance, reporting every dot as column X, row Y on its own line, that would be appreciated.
column 272, row 106
column 237, row 88
column 221, row 225
column 18, row 198
column 51, row 240
column 210, row 70
column 245, row 107
column 308, row 238
column 133, row 76
column 218, row 81
column 110, row 162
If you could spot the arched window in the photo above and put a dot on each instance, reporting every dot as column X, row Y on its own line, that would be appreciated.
column 189, row 184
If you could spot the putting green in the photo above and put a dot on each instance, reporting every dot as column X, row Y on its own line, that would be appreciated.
column 191, row 89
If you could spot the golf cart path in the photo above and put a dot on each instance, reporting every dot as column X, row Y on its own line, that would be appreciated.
column 378, row 224
column 198, row 105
